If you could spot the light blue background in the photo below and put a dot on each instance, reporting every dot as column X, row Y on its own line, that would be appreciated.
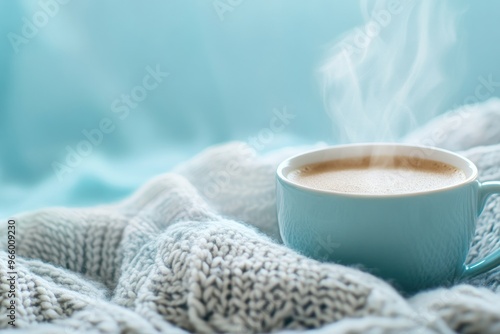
column 226, row 77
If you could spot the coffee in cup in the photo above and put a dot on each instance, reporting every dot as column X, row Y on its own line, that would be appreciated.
column 378, row 175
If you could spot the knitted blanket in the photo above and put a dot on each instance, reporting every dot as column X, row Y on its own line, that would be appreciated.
column 198, row 250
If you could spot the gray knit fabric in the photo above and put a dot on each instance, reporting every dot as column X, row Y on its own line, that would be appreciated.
column 198, row 250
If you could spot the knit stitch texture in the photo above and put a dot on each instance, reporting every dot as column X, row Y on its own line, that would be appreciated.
column 198, row 250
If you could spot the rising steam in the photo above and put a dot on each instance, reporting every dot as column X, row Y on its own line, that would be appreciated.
column 393, row 73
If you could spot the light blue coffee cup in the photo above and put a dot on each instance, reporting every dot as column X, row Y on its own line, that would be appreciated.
column 415, row 241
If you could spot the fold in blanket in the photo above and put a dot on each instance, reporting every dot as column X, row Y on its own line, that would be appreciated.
column 198, row 250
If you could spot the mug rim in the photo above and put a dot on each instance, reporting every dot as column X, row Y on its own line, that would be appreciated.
column 287, row 162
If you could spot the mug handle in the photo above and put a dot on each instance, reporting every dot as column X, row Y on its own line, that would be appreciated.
column 493, row 260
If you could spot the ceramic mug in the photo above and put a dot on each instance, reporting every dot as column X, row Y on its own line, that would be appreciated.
column 415, row 240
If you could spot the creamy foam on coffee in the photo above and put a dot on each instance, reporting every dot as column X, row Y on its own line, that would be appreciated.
column 378, row 175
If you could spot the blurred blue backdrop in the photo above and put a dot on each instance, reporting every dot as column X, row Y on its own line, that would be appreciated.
column 231, row 66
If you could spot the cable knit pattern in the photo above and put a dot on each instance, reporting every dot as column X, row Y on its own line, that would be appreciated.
column 198, row 250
